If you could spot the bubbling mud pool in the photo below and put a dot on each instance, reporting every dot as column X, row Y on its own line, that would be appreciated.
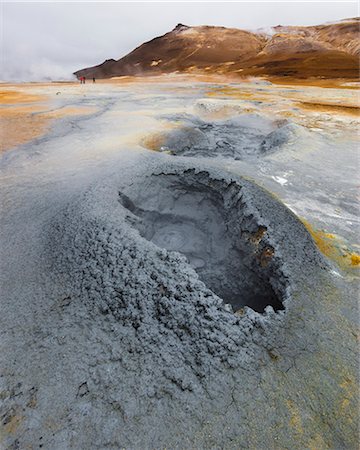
column 208, row 222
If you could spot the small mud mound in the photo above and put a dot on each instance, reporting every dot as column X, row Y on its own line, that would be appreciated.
column 215, row 109
column 243, row 137
column 208, row 222
column 143, row 326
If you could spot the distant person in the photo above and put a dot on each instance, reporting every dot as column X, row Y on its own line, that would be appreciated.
column 84, row 79
column 93, row 79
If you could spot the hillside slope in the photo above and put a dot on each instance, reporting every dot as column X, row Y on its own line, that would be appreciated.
column 326, row 50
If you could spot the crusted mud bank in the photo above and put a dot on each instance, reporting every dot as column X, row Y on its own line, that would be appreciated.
column 245, row 136
column 225, row 231
column 151, row 354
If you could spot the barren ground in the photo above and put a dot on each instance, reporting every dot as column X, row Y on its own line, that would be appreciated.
column 179, row 264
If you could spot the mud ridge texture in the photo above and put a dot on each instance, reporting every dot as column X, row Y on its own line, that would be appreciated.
column 139, row 351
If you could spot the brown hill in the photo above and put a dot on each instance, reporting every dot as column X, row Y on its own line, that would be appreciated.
column 325, row 50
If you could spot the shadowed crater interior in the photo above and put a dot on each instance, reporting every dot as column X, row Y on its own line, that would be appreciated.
column 207, row 221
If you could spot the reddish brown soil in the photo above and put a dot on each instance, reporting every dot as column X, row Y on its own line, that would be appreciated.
column 300, row 52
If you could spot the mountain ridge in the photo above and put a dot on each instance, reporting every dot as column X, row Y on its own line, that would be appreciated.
column 328, row 50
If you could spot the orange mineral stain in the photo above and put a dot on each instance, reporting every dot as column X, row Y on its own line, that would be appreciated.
column 332, row 247
column 25, row 116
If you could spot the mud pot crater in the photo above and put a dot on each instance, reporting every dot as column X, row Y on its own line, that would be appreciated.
column 223, row 238
column 242, row 137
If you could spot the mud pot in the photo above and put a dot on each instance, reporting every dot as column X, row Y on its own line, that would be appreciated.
column 243, row 137
column 224, row 240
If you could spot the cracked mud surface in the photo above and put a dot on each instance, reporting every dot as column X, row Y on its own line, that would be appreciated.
column 118, row 270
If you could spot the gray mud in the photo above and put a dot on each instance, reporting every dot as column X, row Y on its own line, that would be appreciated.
column 137, row 342
column 173, row 343
column 245, row 136
column 153, row 302
column 232, row 233
column 208, row 222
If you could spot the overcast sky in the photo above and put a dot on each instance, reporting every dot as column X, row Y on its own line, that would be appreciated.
column 52, row 40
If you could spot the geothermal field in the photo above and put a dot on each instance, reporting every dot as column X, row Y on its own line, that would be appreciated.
column 179, row 264
column 179, row 235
